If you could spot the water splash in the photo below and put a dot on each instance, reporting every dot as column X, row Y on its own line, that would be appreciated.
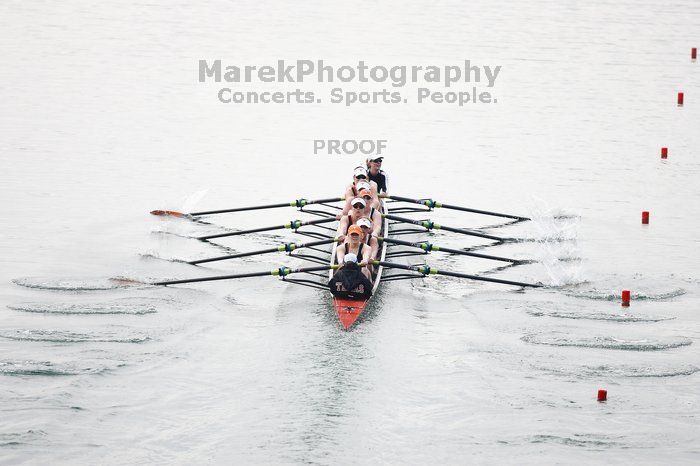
column 156, row 256
column 76, row 284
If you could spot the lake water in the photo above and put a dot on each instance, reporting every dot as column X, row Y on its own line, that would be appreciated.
column 103, row 119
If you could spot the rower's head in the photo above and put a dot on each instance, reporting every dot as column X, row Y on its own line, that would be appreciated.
column 365, row 224
column 358, row 204
column 350, row 262
column 360, row 173
column 363, row 184
column 355, row 233
column 374, row 165
column 366, row 195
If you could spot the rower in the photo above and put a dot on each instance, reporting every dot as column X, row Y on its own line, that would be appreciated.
column 354, row 244
column 369, row 239
column 359, row 175
column 365, row 192
column 349, row 282
column 376, row 174
column 360, row 209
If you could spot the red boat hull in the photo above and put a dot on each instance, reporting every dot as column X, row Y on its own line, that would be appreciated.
column 348, row 310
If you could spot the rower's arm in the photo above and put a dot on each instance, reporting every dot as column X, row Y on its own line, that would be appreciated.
column 343, row 226
column 340, row 252
column 376, row 224
column 366, row 254
column 347, row 206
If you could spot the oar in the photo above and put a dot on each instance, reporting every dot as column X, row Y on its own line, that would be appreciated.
column 427, row 247
column 434, row 204
column 297, row 203
column 286, row 247
column 429, row 225
column 425, row 270
column 294, row 224
column 280, row 272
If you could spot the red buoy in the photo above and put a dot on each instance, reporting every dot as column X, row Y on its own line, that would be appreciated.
column 626, row 298
column 664, row 152
column 602, row 395
column 680, row 99
column 694, row 53
column 645, row 218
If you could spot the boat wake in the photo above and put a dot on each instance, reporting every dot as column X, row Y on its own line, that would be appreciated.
column 606, row 342
column 66, row 336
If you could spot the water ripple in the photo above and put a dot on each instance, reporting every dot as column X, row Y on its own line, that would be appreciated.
column 65, row 336
column 605, row 370
column 606, row 342
column 67, row 284
column 20, row 438
column 94, row 308
column 599, row 316
column 615, row 295
column 45, row 368
column 576, row 440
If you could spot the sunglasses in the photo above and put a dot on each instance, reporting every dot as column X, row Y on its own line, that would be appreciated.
column 361, row 177
column 358, row 206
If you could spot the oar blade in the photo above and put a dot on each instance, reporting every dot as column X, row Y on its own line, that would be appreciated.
column 167, row 213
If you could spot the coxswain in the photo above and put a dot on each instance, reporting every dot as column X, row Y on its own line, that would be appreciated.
column 360, row 208
column 376, row 174
column 349, row 282
column 354, row 244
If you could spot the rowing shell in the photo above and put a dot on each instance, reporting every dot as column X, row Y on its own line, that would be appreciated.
column 348, row 310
